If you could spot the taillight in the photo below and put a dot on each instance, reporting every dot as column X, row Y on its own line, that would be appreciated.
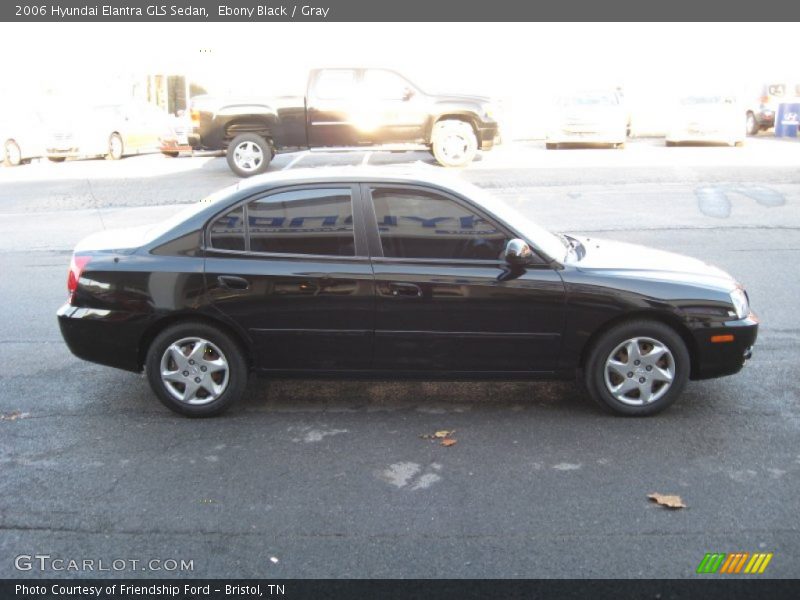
column 764, row 99
column 195, row 116
column 76, row 267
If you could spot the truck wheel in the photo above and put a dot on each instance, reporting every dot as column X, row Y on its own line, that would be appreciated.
column 454, row 143
column 249, row 154
column 752, row 124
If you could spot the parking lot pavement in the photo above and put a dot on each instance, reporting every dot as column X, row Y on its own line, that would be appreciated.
column 332, row 479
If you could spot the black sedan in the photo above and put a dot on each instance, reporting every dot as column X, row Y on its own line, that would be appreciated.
column 365, row 273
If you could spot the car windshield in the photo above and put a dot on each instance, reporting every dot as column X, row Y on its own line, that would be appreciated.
column 694, row 100
column 591, row 99
column 547, row 242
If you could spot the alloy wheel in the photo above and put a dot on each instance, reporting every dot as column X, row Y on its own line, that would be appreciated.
column 194, row 371
column 639, row 371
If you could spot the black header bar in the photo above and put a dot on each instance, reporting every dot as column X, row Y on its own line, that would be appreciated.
column 397, row 11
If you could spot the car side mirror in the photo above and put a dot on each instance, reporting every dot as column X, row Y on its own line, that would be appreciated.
column 517, row 252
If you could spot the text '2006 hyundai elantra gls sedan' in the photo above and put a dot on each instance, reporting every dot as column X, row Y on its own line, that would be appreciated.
column 364, row 273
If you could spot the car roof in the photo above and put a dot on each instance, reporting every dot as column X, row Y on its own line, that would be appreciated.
column 418, row 173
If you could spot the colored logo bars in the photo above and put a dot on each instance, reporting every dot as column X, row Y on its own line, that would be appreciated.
column 736, row 562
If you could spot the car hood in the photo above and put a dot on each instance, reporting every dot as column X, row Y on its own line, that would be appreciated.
column 631, row 260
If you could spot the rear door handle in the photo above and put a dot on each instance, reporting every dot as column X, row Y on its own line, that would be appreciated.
column 232, row 282
column 405, row 289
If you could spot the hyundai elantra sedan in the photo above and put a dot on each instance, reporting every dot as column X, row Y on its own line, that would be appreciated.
column 364, row 273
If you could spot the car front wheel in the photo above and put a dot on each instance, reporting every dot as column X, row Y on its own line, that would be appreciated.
column 752, row 124
column 196, row 369
column 116, row 148
column 637, row 368
column 12, row 154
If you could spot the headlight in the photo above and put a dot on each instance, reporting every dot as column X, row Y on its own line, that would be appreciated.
column 740, row 303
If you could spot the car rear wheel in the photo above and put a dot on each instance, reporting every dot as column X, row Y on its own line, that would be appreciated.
column 116, row 148
column 12, row 155
column 171, row 154
column 57, row 159
column 249, row 154
column 453, row 143
column 196, row 369
column 637, row 368
column 752, row 124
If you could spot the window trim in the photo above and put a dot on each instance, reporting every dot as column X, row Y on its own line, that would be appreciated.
column 376, row 247
column 358, row 233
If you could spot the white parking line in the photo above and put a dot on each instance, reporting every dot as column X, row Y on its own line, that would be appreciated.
column 295, row 160
column 366, row 158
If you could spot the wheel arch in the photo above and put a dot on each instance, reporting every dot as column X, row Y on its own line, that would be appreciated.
column 259, row 125
column 664, row 318
column 457, row 116
column 174, row 319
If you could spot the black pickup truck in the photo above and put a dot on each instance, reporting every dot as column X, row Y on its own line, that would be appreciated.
column 345, row 109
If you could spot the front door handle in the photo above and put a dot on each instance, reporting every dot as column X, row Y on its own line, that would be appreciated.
column 405, row 290
column 232, row 282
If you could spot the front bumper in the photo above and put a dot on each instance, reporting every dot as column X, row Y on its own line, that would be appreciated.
column 487, row 135
column 719, row 358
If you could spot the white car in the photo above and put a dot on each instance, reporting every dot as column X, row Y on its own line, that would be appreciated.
column 707, row 118
column 592, row 117
column 23, row 137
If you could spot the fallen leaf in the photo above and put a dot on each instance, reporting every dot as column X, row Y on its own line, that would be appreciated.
column 666, row 500
column 448, row 442
column 443, row 433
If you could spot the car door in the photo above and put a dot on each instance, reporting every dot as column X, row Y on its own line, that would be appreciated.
column 332, row 108
column 445, row 300
column 395, row 112
column 291, row 268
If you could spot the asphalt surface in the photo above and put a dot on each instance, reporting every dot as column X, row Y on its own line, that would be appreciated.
column 332, row 479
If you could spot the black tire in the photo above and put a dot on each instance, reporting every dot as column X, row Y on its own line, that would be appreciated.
column 249, row 154
column 594, row 372
column 551, row 146
column 12, row 155
column 116, row 147
column 752, row 125
column 231, row 352
column 57, row 159
column 453, row 143
column 171, row 154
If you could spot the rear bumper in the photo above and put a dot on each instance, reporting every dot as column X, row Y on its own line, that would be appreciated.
column 716, row 359
column 105, row 337
column 586, row 137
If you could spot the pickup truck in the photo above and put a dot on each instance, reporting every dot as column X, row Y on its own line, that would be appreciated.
column 344, row 109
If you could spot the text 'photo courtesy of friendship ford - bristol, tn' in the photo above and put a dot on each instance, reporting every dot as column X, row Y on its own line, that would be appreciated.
column 388, row 274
